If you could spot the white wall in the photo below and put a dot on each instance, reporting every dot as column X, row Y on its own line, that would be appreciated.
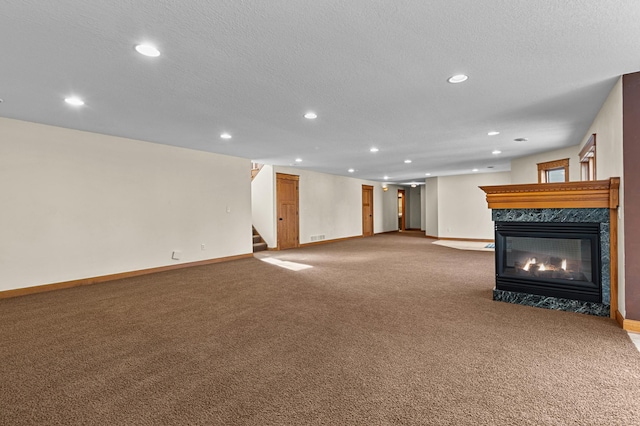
column 431, row 207
column 608, row 129
column 462, row 207
column 331, row 205
column 525, row 169
column 78, row 205
column 263, row 205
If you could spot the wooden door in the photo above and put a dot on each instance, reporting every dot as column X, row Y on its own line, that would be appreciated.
column 287, row 201
column 367, row 210
column 402, row 216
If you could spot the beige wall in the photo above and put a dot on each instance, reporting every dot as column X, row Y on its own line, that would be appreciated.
column 423, row 209
column 78, row 205
column 525, row 169
column 608, row 129
column 263, row 205
column 607, row 126
column 390, row 208
column 431, row 207
column 331, row 205
column 414, row 209
column 462, row 206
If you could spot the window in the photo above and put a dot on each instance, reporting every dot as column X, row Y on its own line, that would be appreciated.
column 553, row 171
column 588, row 159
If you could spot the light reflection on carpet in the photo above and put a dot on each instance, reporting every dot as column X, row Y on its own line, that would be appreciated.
column 465, row 245
column 293, row 266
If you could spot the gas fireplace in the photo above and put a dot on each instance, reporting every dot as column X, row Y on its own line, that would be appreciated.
column 549, row 259
column 556, row 245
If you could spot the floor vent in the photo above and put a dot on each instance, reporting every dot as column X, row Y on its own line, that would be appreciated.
column 317, row 237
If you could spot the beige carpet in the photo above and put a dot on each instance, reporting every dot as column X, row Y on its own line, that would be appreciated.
column 379, row 331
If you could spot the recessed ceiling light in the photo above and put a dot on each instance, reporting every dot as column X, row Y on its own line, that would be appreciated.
column 147, row 50
column 374, row 149
column 427, row 174
column 298, row 160
column 521, row 139
column 493, row 133
column 225, row 136
column 496, row 152
column 74, row 100
column 458, row 78
column 386, row 177
column 474, row 170
column 311, row 115
column 351, row 170
column 407, row 161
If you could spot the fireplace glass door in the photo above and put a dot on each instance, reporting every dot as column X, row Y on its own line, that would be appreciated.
column 550, row 259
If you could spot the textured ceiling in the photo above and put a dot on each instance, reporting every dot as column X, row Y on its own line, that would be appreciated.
column 375, row 73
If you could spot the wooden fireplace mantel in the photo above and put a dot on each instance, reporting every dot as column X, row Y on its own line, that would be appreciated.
column 587, row 194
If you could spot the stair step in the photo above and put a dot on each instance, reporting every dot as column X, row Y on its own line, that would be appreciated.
column 257, row 239
column 259, row 247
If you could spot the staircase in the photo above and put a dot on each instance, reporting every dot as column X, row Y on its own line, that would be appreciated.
column 255, row 169
column 258, row 242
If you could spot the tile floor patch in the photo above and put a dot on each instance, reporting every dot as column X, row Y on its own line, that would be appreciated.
column 635, row 338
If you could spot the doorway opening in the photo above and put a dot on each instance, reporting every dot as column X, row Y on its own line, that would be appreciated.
column 402, row 212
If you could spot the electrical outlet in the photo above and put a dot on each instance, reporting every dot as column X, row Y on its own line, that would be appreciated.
column 203, row 247
column 176, row 255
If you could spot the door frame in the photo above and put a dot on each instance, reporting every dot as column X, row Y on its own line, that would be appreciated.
column 366, row 232
column 296, row 178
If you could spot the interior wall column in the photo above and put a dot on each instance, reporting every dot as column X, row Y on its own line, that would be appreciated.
column 631, row 176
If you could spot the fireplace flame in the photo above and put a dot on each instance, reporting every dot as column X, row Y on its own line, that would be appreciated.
column 542, row 266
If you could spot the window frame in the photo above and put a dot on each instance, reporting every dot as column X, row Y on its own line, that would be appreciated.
column 544, row 168
column 587, row 159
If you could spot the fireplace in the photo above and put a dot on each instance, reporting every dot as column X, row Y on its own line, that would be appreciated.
column 556, row 245
column 549, row 259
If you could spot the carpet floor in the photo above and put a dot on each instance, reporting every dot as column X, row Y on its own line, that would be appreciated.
column 379, row 331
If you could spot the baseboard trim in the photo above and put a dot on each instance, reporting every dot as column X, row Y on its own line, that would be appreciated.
column 335, row 240
column 627, row 324
column 6, row 294
column 631, row 325
column 475, row 240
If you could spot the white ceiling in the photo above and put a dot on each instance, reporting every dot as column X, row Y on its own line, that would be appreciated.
column 374, row 71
